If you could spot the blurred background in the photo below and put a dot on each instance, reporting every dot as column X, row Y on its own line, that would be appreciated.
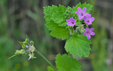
column 21, row 17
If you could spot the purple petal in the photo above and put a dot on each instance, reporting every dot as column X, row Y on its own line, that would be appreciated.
column 86, row 14
column 72, row 24
column 68, row 23
column 67, row 20
column 84, row 9
column 80, row 17
column 92, row 33
column 79, row 9
column 91, row 29
column 77, row 13
column 84, row 33
column 92, row 19
column 29, row 58
column 88, row 36
column 27, row 46
column 89, row 23
column 85, row 18
column 86, row 29
column 71, row 19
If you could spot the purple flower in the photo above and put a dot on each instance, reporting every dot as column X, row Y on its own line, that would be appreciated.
column 81, row 13
column 29, row 58
column 88, row 32
column 71, row 22
column 27, row 46
column 88, row 19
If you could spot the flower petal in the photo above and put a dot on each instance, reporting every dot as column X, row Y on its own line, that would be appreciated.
column 81, row 17
column 73, row 20
column 68, row 23
column 91, row 29
column 86, row 14
column 67, row 20
column 89, row 23
column 88, row 36
column 92, row 19
column 84, row 9
column 72, row 24
column 29, row 58
column 92, row 33
column 85, row 18
column 84, row 33
column 86, row 29
column 77, row 13
column 79, row 9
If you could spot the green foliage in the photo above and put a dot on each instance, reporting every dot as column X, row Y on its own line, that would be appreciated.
column 88, row 6
column 49, row 11
column 56, row 18
column 67, row 63
column 50, row 68
column 57, row 31
column 55, row 14
column 55, row 21
column 60, row 32
column 78, row 45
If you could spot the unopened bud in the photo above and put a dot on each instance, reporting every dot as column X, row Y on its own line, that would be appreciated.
column 31, row 42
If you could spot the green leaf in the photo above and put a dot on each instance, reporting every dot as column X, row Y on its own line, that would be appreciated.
column 57, row 31
column 67, row 63
column 78, row 45
column 88, row 6
column 50, row 68
column 60, row 32
column 58, row 17
column 49, row 11
column 51, row 25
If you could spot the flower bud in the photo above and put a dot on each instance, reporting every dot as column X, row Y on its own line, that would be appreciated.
column 31, row 42
column 23, row 46
column 31, row 56
column 26, row 40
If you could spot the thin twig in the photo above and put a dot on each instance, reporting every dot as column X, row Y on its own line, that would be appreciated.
column 45, row 59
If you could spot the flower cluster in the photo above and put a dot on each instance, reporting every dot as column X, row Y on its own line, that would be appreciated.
column 27, row 48
column 87, row 19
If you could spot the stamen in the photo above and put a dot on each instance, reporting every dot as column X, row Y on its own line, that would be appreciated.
column 72, row 22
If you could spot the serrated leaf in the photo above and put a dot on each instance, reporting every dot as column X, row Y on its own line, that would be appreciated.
column 57, row 31
column 51, row 25
column 67, row 63
column 60, row 32
column 50, row 68
column 78, row 45
column 49, row 11
column 88, row 6
column 58, row 16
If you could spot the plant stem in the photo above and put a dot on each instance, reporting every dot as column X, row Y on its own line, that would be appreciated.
column 45, row 59
column 72, row 30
